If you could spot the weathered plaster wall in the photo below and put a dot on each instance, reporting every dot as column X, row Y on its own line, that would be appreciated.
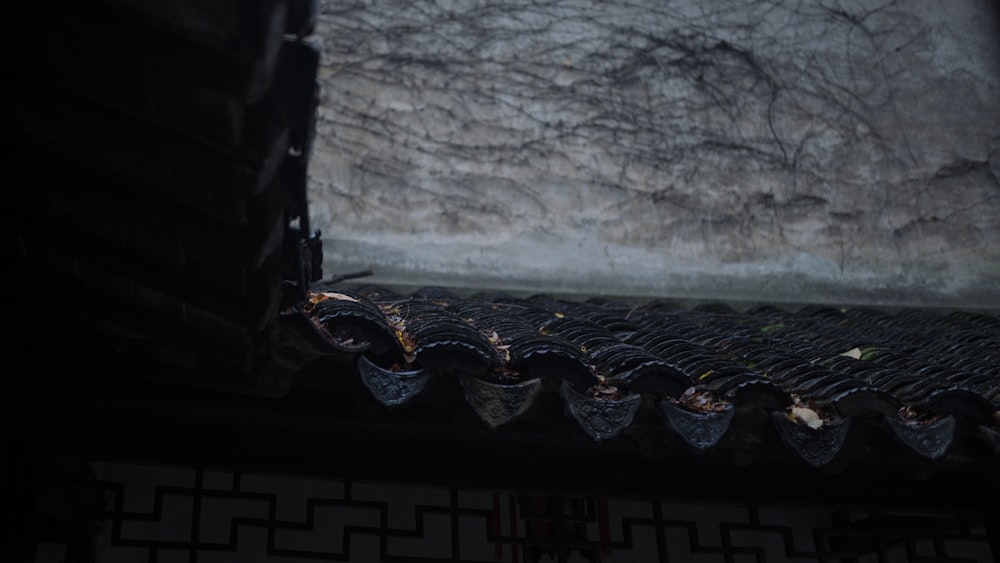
column 807, row 151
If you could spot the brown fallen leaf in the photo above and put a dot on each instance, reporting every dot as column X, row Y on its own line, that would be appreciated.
column 700, row 401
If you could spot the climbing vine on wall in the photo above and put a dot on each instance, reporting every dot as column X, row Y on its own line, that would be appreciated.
column 733, row 130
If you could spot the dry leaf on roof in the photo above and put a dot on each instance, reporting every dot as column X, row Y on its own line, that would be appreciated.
column 604, row 392
column 700, row 401
column 853, row 353
column 804, row 414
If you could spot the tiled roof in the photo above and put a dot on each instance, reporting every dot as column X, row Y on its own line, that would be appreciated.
column 920, row 377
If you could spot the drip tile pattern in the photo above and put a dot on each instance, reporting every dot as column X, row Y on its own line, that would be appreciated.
column 918, row 376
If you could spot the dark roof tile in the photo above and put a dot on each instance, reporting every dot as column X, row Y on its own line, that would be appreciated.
column 812, row 372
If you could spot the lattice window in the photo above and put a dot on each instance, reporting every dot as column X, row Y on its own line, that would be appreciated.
column 125, row 512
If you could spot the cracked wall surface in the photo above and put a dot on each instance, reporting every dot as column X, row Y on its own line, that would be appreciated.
column 802, row 151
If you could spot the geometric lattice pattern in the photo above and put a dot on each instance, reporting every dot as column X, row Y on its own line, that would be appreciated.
column 168, row 514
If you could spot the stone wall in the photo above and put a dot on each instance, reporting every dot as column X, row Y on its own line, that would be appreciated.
column 839, row 151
